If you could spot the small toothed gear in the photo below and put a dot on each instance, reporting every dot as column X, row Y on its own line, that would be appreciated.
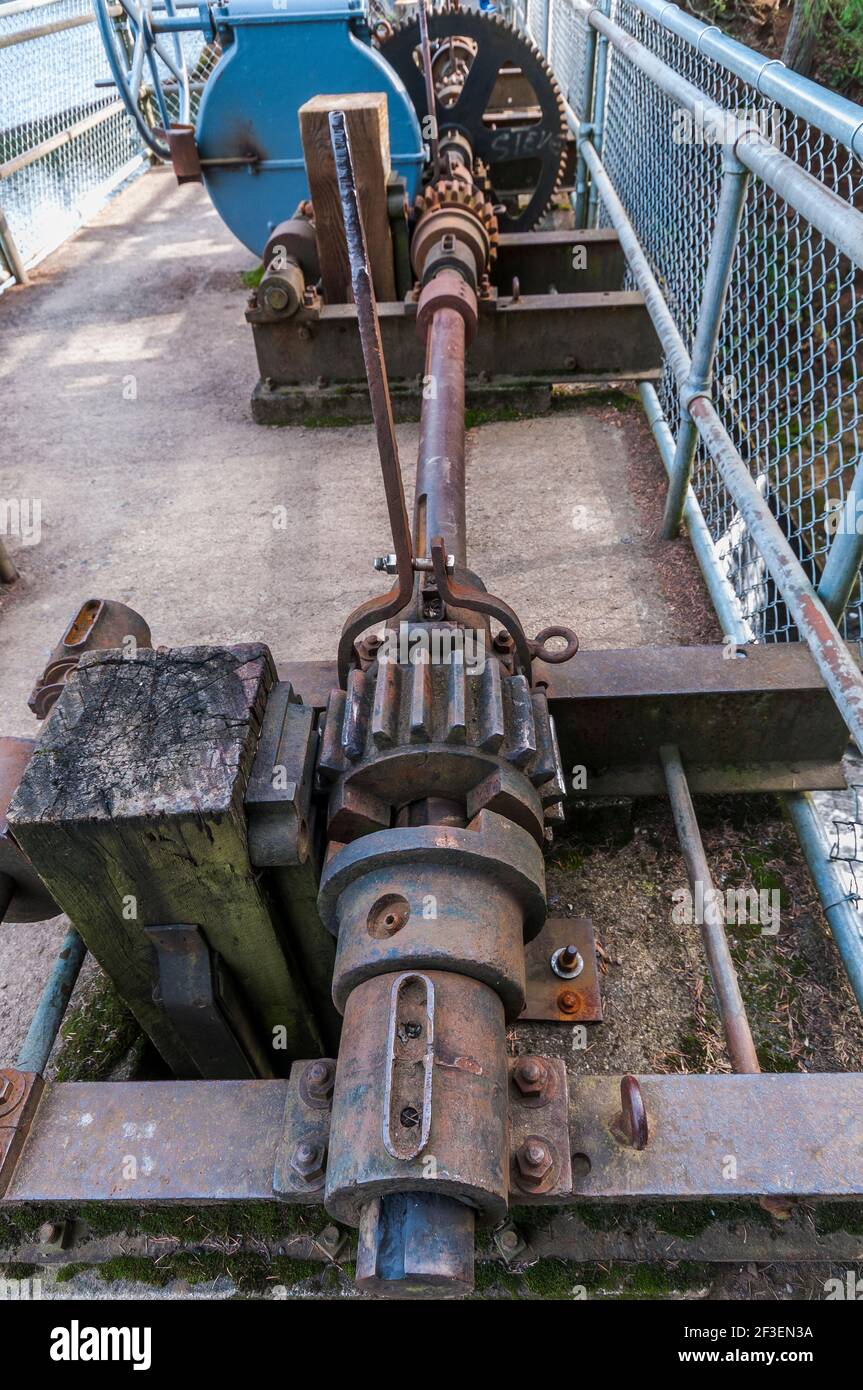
column 510, row 151
column 452, row 193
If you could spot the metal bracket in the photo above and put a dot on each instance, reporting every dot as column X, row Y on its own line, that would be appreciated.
column 279, row 792
column 540, row 1161
column 199, row 995
column 301, row 1153
column 20, row 1093
column 552, row 994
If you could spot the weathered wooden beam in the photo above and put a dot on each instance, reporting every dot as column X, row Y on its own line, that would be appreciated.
column 131, row 809
column 368, row 132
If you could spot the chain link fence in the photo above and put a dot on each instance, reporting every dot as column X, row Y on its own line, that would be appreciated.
column 66, row 141
column 789, row 362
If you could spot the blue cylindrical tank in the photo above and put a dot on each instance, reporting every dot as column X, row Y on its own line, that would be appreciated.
column 277, row 56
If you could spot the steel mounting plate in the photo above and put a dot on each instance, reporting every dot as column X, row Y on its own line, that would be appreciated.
column 545, row 988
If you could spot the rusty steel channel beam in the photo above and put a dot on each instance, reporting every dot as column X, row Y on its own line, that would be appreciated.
column 568, row 335
column 760, row 722
column 787, row 1134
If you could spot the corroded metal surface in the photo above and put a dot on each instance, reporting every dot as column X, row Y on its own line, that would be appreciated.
column 785, row 1134
column 20, row 1093
column 152, row 1141
column 553, row 997
column 436, row 1041
column 301, row 1152
column 540, row 1164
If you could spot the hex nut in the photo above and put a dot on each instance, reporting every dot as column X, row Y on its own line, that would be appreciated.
column 320, row 1078
column 308, row 1160
column 530, row 1075
column 534, row 1160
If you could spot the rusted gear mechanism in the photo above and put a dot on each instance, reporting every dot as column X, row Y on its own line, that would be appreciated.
column 460, row 208
column 492, row 86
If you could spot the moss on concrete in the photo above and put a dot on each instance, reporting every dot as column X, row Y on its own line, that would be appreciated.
column 97, row 1036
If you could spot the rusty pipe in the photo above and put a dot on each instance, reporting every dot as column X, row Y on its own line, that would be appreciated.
column 439, row 509
column 732, row 1011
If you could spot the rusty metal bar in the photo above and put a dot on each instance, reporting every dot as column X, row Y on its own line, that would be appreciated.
column 376, row 609
column 786, row 1134
column 439, row 509
column 732, row 1012
column 791, row 1134
column 428, row 78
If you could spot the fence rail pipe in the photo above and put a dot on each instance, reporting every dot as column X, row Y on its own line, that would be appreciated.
column 842, row 918
column 837, row 220
column 45, row 1023
column 669, row 336
column 831, row 113
column 845, row 554
column 816, row 627
column 723, row 597
column 11, row 254
column 598, row 113
column 582, row 127
column 56, row 142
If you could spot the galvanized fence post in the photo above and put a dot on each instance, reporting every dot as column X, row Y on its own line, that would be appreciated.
column 585, row 127
column 845, row 554
column 735, row 182
column 10, row 252
column 598, row 112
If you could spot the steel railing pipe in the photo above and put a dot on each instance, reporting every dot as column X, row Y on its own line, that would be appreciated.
column 837, row 220
column 45, row 1023
column 829, row 112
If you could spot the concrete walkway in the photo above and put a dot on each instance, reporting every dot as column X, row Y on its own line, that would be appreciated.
column 126, row 371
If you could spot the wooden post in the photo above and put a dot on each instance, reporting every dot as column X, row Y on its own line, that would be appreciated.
column 131, row 810
column 368, row 132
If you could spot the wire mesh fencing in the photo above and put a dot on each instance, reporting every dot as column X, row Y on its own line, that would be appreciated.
column 66, row 140
column 789, row 362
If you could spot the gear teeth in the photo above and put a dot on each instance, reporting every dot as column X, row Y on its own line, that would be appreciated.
column 473, row 22
column 385, row 710
column 405, row 704
column 456, row 708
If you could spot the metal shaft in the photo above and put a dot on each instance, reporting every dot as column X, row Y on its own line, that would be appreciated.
column 735, row 1024
column 439, row 509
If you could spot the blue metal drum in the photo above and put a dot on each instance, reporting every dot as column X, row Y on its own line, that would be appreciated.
column 277, row 56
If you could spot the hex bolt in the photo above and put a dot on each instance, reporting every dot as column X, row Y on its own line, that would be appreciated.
column 509, row 1242
column 307, row 1160
column 534, row 1161
column 530, row 1075
column 320, row 1078
column 567, row 962
column 568, row 1001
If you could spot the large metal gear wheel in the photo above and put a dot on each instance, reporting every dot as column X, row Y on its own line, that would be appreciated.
column 469, row 50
